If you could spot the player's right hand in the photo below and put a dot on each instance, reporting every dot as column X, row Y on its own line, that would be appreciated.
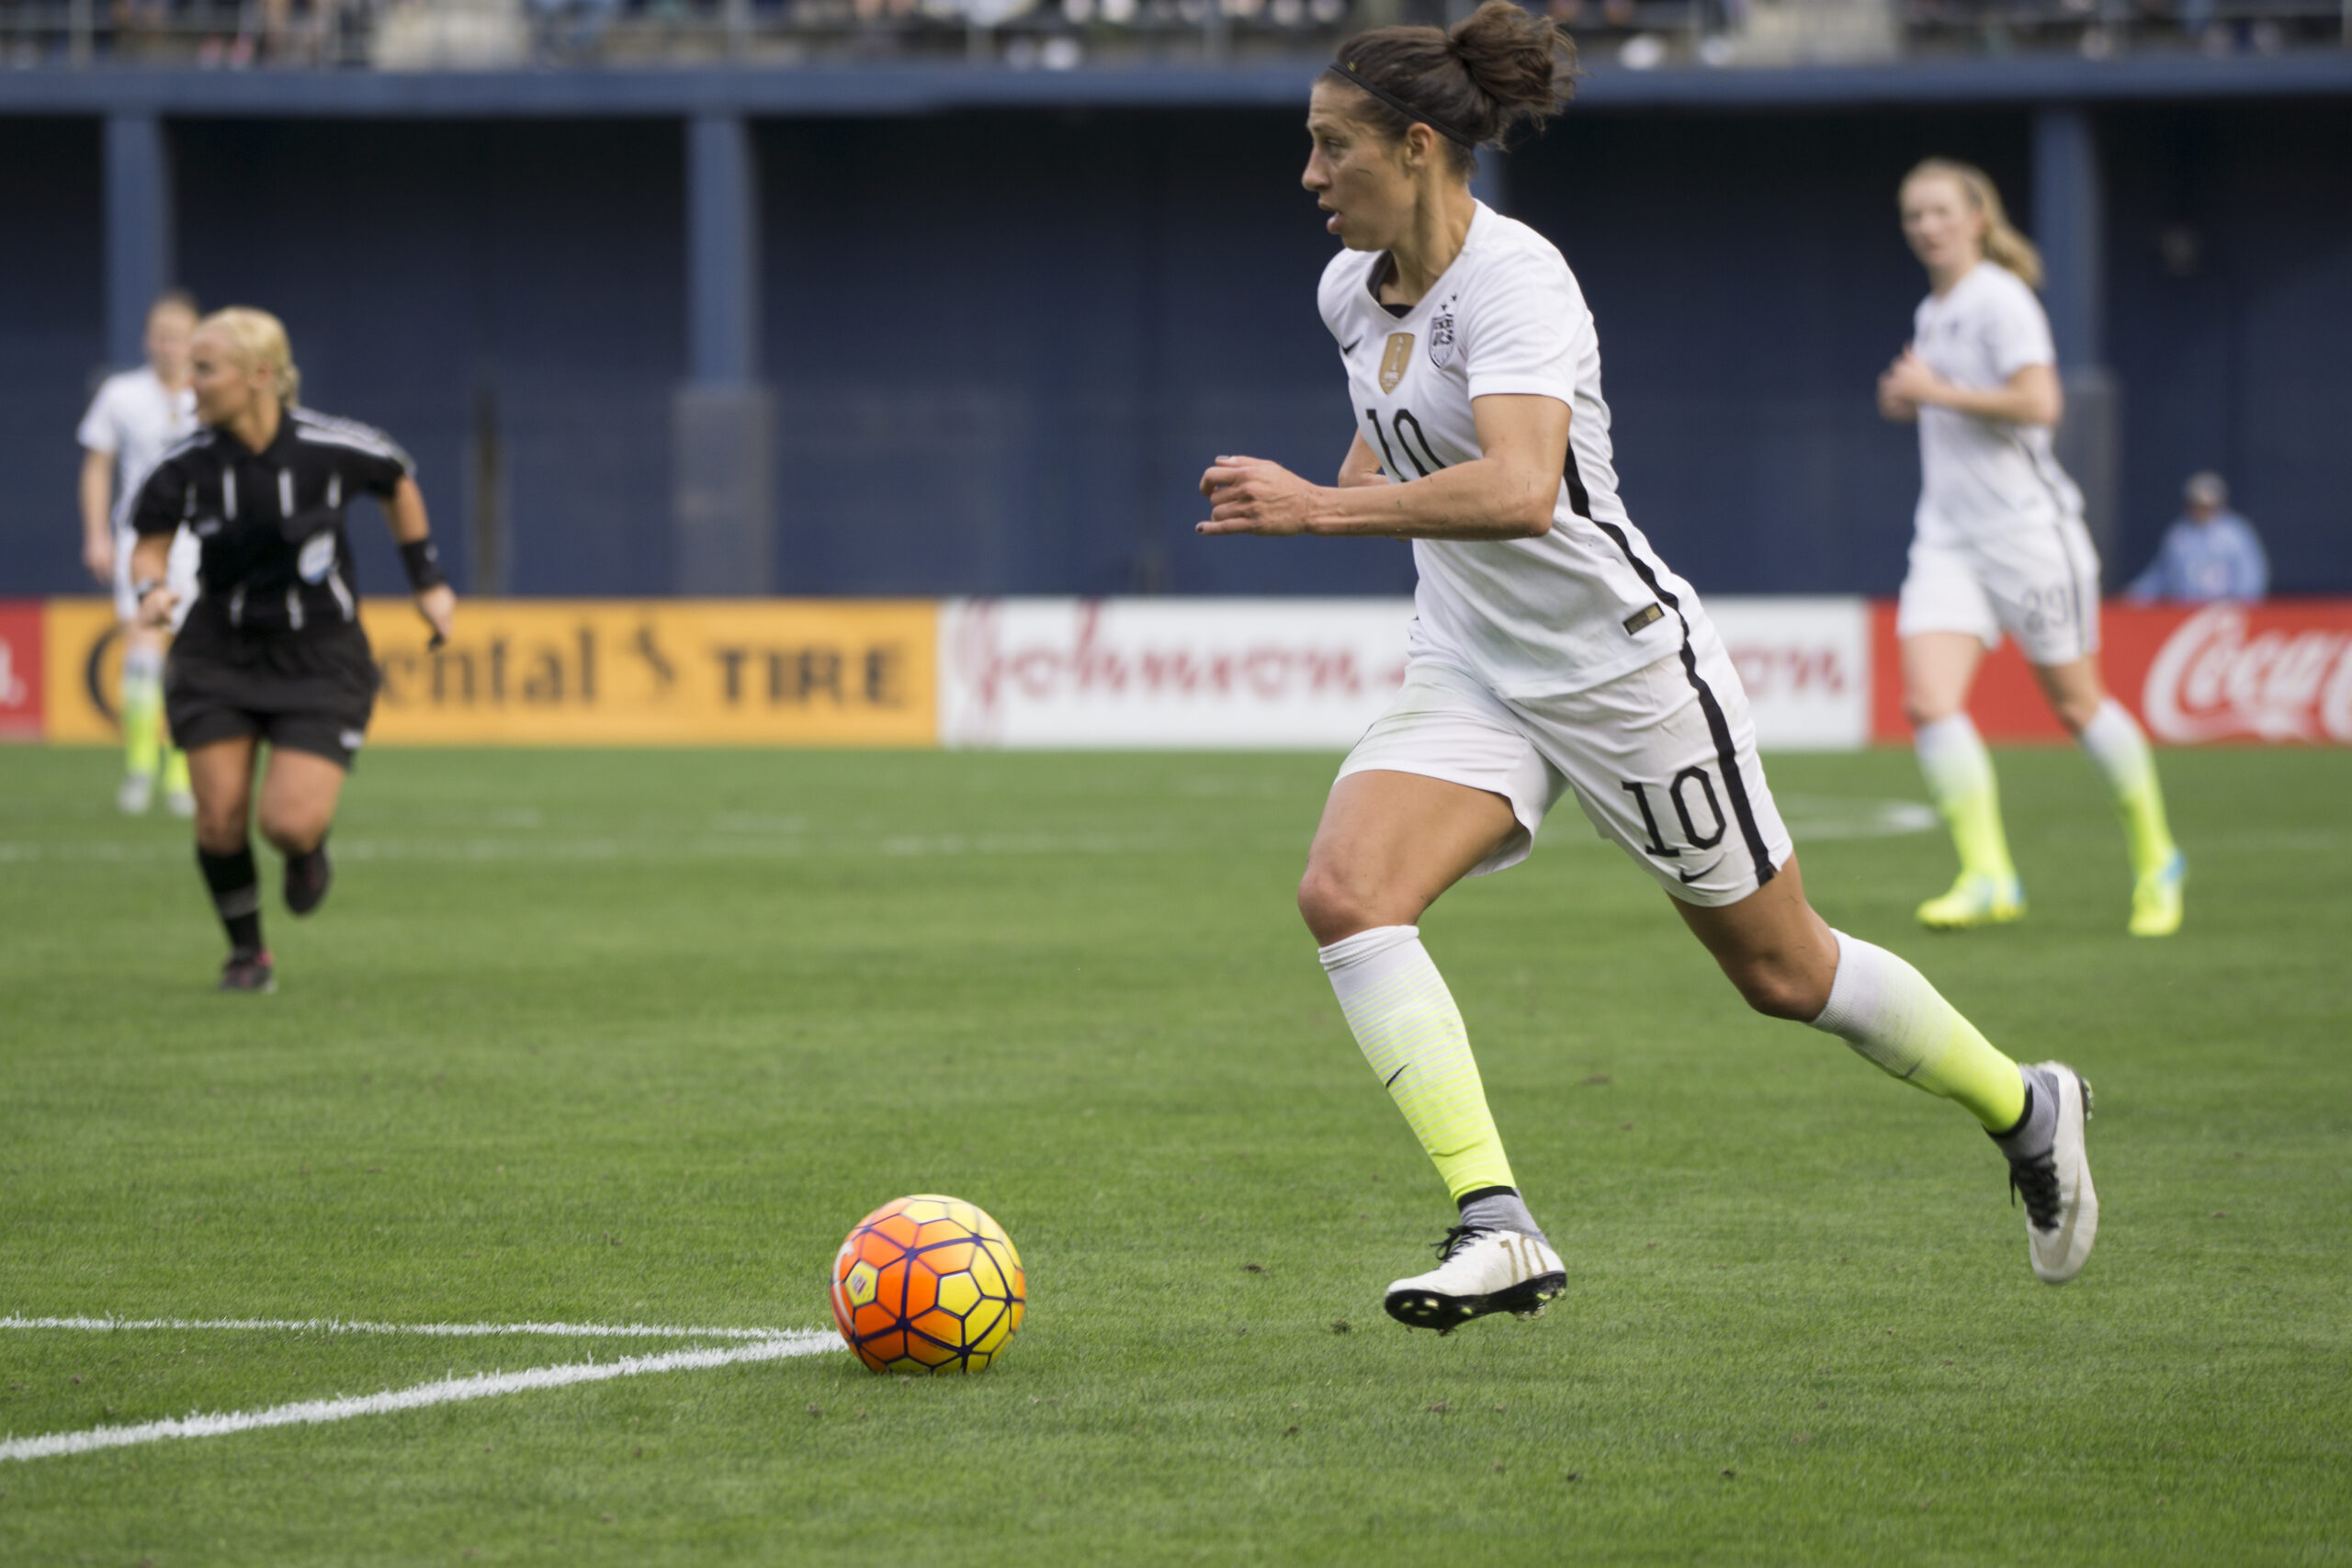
column 155, row 607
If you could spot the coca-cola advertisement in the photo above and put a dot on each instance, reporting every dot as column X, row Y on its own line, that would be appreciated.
column 20, row 670
column 2277, row 673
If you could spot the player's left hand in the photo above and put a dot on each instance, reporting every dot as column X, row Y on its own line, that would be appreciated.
column 1910, row 379
column 439, row 606
column 1250, row 495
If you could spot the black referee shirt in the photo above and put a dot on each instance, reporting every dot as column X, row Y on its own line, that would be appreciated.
column 276, row 555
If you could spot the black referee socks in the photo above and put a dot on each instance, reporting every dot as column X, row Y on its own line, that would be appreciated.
column 236, row 894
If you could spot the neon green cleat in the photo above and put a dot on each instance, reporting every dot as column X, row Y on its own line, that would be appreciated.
column 2156, row 898
column 1975, row 899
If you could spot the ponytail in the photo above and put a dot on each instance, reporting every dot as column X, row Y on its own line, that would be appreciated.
column 2004, row 246
column 1497, row 74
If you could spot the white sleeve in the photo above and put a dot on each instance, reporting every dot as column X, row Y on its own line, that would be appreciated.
column 1521, row 327
column 2017, row 333
column 101, row 428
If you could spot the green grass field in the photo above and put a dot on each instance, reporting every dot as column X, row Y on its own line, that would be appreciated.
column 613, row 1038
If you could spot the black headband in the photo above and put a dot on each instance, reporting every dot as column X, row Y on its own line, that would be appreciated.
column 1408, row 110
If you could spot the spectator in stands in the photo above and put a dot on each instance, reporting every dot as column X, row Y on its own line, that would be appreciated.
column 2209, row 552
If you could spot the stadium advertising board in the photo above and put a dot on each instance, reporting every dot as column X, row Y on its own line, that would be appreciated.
column 2280, row 672
column 22, row 692
column 1806, row 665
column 1309, row 673
column 649, row 671
column 1055, row 673
column 1234, row 673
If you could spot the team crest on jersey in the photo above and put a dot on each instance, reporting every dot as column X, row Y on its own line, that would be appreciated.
column 317, row 557
column 1442, row 336
column 1393, row 362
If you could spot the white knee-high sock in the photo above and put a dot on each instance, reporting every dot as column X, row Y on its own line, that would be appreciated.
column 1959, row 773
column 2118, row 747
column 1411, row 1032
column 1886, row 1010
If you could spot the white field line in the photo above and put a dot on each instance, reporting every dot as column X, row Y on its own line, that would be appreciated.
column 435, row 1330
column 486, row 1385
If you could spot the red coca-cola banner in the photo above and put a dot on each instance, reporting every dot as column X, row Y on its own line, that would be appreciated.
column 2279, row 672
column 20, row 670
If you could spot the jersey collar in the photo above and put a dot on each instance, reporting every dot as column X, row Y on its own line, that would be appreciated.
column 1480, row 221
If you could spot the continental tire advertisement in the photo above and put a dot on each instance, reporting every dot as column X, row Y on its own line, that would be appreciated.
column 582, row 673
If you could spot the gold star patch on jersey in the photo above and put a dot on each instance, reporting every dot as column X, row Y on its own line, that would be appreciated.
column 1399, row 354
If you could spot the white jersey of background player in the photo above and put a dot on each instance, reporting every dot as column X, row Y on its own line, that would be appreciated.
column 2000, row 548
column 1553, row 651
column 135, row 417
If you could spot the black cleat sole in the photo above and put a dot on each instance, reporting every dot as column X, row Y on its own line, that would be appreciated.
column 1427, row 1309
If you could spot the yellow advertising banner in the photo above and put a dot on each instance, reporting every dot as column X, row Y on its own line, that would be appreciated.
column 596, row 673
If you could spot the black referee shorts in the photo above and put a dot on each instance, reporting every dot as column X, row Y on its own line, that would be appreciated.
column 308, row 691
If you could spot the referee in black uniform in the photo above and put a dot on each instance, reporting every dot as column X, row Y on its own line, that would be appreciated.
column 272, row 650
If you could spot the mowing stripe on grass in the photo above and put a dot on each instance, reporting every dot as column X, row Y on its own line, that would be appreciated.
column 435, row 1330
column 446, row 1391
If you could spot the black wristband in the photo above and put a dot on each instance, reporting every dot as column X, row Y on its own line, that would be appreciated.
column 423, row 564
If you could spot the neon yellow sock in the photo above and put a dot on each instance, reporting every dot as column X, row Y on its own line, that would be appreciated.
column 1959, row 774
column 143, row 723
column 1886, row 1010
column 2121, row 751
column 175, row 771
column 1411, row 1032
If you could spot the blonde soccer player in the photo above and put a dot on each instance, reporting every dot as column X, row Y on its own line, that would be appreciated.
column 133, row 418
column 1552, row 651
column 2000, row 546
column 273, row 650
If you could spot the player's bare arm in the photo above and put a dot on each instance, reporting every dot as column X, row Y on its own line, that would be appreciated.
column 1508, row 494
column 97, row 495
column 149, row 562
column 405, row 514
column 2029, row 397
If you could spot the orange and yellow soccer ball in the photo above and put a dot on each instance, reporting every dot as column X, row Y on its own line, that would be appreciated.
column 927, row 1284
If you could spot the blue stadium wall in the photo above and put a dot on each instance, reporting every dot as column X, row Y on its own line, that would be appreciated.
column 1004, row 343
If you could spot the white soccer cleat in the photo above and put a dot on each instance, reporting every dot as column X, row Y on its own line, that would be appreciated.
column 135, row 795
column 2061, row 1205
column 1482, row 1271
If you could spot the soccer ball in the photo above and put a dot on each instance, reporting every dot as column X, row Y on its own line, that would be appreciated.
column 927, row 1284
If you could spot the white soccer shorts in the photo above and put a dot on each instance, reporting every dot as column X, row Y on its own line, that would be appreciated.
column 1663, row 760
column 2037, row 581
column 179, row 572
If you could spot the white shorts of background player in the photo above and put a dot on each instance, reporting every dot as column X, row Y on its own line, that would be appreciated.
column 2037, row 582
column 1647, row 764
column 179, row 574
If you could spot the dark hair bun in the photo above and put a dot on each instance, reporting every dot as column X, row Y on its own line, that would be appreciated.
column 1499, row 72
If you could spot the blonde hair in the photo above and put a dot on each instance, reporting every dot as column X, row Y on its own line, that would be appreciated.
column 2004, row 246
column 259, row 340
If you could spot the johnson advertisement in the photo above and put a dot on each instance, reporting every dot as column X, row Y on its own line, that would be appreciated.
column 1141, row 673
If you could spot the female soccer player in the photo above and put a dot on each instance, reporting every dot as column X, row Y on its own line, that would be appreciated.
column 272, row 649
column 2000, row 547
column 134, row 417
column 1552, row 651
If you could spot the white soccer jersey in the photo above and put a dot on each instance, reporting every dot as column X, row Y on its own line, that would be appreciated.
column 133, row 420
column 1529, row 617
column 1982, row 475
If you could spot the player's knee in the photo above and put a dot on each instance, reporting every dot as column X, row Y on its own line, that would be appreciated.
column 1781, row 989
column 220, row 828
column 1332, row 907
column 1920, row 712
column 292, row 831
